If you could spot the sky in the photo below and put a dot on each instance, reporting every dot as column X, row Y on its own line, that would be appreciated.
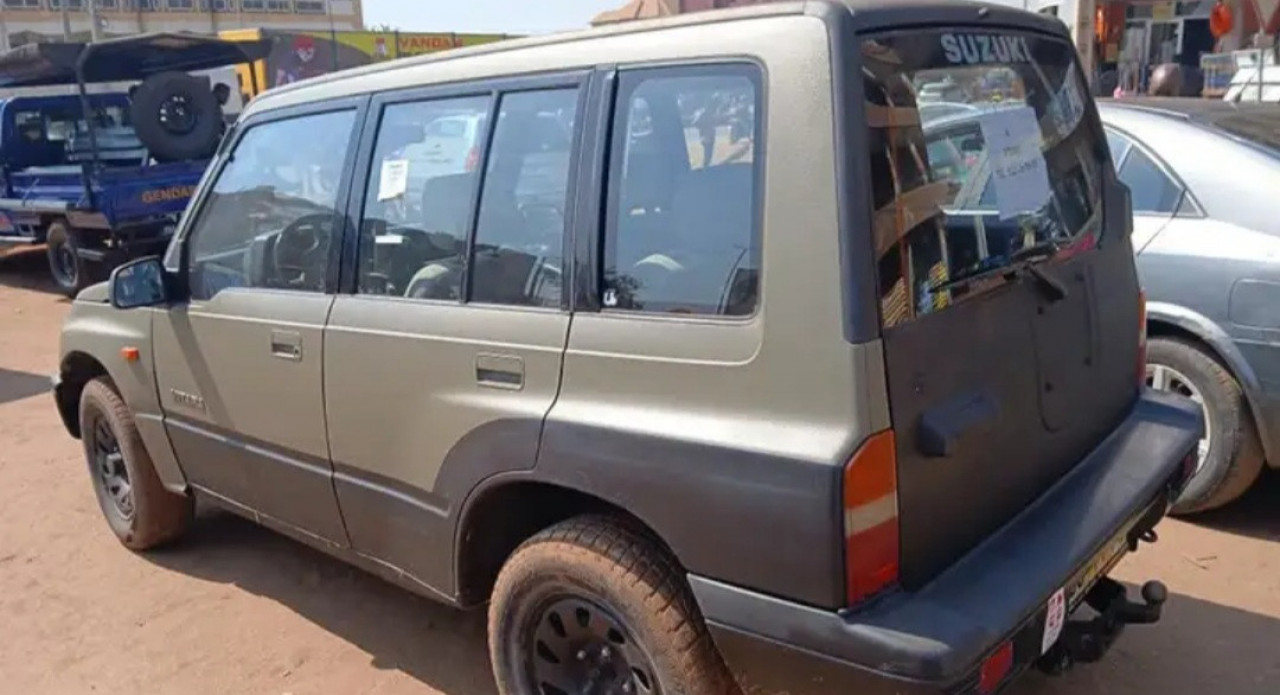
column 485, row 16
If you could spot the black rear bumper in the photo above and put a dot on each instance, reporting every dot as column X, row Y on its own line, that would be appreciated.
column 935, row 639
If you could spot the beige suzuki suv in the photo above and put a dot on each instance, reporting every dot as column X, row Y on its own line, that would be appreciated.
column 700, row 369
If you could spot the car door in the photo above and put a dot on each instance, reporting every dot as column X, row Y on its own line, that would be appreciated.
column 444, row 358
column 239, row 362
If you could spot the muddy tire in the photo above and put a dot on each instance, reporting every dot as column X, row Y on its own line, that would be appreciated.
column 177, row 116
column 138, row 508
column 70, row 272
column 594, row 602
column 1233, row 458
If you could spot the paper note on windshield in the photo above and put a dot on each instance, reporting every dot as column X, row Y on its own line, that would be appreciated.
column 394, row 180
column 1018, row 170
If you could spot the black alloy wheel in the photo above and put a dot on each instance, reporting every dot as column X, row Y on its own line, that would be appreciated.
column 578, row 647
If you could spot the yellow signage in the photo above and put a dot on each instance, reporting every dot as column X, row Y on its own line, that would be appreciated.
column 162, row 195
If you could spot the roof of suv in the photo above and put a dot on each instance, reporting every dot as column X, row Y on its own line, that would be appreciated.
column 867, row 14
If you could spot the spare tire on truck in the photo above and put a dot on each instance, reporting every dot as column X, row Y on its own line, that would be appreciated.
column 177, row 116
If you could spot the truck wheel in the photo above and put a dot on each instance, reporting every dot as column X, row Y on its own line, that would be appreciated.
column 177, row 116
column 138, row 508
column 1230, row 454
column 71, row 272
column 590, row 605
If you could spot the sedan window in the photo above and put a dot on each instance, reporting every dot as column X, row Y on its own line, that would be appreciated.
column 1153, row 190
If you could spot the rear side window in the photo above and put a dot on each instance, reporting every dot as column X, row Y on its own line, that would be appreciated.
column 418, row 205
column 1153, row 190
column 981, row 147
column 683, row 234
column 460, row 206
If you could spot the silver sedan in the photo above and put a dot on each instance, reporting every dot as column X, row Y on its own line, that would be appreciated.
column 1205, row 179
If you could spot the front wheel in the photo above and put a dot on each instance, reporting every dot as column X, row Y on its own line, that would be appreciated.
column 1230, row 455
column 138, row 508
column 593, row 605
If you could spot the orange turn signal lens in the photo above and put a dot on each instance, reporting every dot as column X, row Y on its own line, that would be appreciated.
column 130, row 354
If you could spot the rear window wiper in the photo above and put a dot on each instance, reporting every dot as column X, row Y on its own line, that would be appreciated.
column 1024, row 261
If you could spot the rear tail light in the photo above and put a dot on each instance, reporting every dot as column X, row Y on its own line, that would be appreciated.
column 995, row 669
column 473, row 159
column 1142, row 338
column 871, row 518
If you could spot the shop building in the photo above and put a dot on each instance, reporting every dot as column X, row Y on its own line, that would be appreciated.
column 30, row 21
column 1134, row 36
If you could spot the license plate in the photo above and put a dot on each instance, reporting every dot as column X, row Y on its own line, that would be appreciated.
column 1065, row 600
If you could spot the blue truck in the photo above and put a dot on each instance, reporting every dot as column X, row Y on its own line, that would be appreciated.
column 102, row 177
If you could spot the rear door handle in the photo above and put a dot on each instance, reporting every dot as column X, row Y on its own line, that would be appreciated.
column 287, row 345
column 500, row 371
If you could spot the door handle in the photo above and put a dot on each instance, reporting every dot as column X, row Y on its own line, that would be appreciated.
column 287, row 345
column 500, row 371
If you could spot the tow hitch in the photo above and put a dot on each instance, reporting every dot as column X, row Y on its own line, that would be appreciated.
column 1086, row 641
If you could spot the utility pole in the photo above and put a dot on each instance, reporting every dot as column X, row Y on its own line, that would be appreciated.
column 1078, row 15
column 66, row 20
column 4, row 34
column 93, row 20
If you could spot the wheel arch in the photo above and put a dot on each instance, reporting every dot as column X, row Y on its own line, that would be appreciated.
column 1172, row 321
column 507, row 510
column 75, row 371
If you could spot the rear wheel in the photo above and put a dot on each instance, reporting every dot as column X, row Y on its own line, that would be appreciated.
column 592, row 605
column 1230, row 454
column 70, row 271
column 138, row 508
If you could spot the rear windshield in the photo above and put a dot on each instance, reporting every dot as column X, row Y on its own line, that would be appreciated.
column 983, row 145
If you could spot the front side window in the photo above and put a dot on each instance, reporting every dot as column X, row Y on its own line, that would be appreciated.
column 270, row 219
column 982, row 150
column 682, row 233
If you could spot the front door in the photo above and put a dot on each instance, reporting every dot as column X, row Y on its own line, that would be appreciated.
column 443, row 362
column 239, row 363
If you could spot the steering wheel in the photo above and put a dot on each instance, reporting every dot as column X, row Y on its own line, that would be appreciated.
column 301, row 252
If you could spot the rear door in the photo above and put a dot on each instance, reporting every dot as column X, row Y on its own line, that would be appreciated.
column 1000, row 381
column 442, row 363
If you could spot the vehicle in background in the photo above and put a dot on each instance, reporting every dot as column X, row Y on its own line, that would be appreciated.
column 683, row 398
column 1205, row 180
column 101, row 178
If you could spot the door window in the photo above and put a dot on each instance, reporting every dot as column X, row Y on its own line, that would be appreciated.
column 1153, row 190
column 519, row 249
column 270, row 219
column 420, row 198
column 1119, row 146
column 683, row 233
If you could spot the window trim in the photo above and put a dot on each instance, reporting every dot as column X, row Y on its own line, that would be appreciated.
column 494, row 89
column 741, row 66
column 187, row 225
column 1184, row 192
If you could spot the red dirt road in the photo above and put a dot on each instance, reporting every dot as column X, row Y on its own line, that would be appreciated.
column 238, row 609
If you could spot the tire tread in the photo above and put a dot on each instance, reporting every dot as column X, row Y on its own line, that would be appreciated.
column 637, row 562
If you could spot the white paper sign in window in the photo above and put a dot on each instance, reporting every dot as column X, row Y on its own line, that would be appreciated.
column 1018, row 170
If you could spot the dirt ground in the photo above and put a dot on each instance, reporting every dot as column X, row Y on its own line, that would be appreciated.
column 237, row 609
